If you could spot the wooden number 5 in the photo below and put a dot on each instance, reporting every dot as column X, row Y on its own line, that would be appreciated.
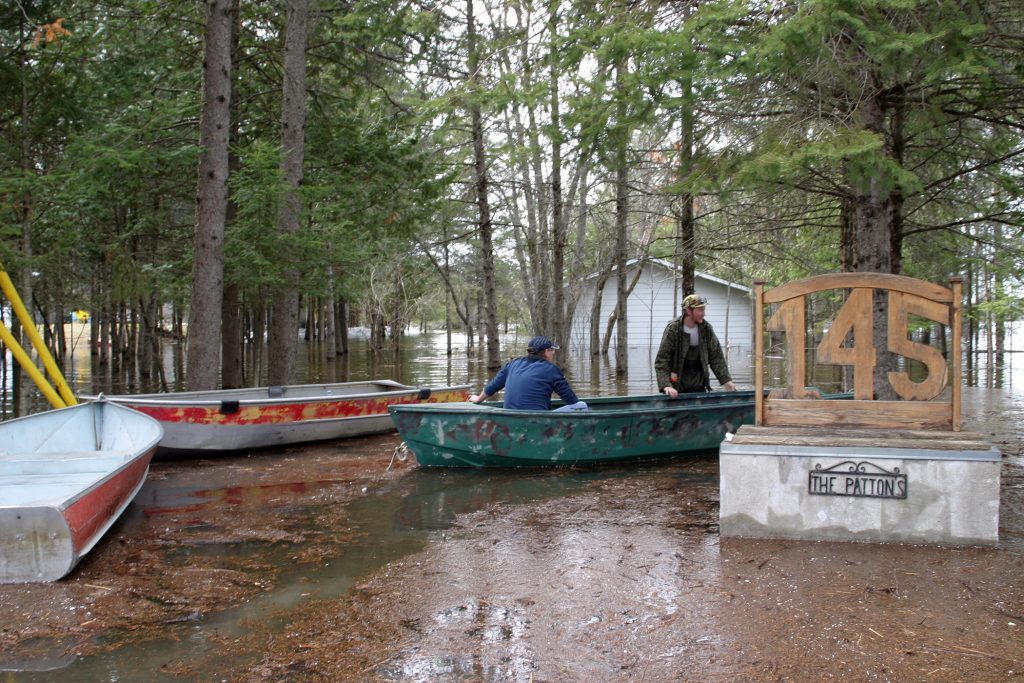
column 900, row 305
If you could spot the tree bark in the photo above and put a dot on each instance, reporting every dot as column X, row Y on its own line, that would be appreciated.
column 595, row 313
column 232, row 337
column 847, row 236
column 686, row 245
column 341, row 335
column 483, row 204
column 559, row 229
column 329, row 326
column 204, row 327
column 284, row 320
column 621, row 224
column 872, row 219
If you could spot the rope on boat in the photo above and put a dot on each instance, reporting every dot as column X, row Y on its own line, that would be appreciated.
column 401, row 453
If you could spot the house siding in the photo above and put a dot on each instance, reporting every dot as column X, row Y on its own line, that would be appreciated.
column 652, row 305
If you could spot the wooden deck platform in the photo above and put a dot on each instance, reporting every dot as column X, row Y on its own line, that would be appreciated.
column 850, row 437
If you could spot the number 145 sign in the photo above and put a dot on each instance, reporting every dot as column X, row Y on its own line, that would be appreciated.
column 857, row 317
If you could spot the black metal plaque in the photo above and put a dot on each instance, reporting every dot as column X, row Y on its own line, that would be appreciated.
column 857, row 479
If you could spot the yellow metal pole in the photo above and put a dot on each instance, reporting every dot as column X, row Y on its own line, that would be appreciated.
column 18, row 306
column 30, row 367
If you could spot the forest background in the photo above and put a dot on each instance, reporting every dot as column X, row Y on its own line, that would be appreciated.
column 260, row 168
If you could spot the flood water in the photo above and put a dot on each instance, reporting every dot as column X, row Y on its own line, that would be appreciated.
column 200, row 515
column 422, row 360
column 387, row 523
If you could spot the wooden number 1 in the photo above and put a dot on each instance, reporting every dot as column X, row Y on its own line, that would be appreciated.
column 790, row 319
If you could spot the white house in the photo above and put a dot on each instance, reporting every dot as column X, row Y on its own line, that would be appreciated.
column 655, row 301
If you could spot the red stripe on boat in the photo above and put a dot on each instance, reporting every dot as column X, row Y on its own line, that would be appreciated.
column 87, row 515
column 285, row 413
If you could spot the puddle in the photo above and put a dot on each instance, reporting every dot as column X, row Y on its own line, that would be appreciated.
column 386, row 523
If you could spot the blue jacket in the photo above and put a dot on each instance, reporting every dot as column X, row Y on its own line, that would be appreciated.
column 529, row 382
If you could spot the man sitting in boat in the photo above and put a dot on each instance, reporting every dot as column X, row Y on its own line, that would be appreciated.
column 689, row 351
column 530, row 380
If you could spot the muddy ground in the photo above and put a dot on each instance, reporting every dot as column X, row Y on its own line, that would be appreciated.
column 619, row 578
column 141, row 579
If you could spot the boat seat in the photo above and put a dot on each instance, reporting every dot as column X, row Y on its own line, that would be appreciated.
column 66, row 455
column 58, row 463
column 41, row 489
column 466, row 405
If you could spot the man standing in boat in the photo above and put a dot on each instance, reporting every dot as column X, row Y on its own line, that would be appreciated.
column 530, row 380
column 688, row 353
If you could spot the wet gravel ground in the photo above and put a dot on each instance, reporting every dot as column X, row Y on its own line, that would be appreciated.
column 608, row 575
column 629, row 581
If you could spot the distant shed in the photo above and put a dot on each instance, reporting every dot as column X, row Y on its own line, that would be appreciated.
column 654, row 303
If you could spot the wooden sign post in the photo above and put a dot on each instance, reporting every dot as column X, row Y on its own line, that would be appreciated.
column 860, row 468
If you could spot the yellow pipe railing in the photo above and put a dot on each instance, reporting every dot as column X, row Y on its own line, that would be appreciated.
column 58, row 398
column 26, row 362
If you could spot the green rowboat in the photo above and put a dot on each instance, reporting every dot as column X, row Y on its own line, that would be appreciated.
column 615, row 429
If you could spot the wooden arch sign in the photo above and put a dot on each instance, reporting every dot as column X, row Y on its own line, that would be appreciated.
column 919, row 407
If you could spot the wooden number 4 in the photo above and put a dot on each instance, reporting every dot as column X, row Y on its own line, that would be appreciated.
column 855, row 316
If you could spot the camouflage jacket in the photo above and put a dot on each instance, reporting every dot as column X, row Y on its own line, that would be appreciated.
column 672, row 352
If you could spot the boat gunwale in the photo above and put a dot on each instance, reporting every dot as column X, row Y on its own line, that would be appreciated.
column 671, row 406
column 128, row 413
column 658, row 403
column 572, row 415
column 193, row 399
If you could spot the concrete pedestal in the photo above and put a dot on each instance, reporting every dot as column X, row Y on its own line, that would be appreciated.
column 860, row 485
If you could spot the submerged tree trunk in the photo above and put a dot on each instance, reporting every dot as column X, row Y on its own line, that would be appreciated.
column 232, row 334
column 595, row 314
column 233, row 342
column 559, row 229
column 149, row 343
column 483, row 203
column 204, row 326
column 284, row 322
column 448, row 298
column 330, row 326
column 621, row 225
column 20, row 380
column 343, row 327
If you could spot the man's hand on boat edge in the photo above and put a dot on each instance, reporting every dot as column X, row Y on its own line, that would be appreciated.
column 672, row 393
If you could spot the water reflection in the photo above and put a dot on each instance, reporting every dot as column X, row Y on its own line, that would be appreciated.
column 388, row 523
column 423, row 360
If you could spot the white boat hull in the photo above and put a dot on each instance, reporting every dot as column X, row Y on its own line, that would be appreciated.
column 65, row 478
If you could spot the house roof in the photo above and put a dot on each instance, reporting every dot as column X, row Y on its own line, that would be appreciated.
column 668, row 265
